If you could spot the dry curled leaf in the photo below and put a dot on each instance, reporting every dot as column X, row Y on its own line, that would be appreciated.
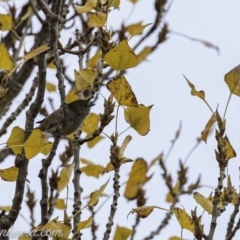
column 208, row 127
column 194, row 92
column 204, row 202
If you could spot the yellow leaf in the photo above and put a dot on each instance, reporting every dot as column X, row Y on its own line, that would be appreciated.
column 6, row 61
column 93, row 142
column 232, row 79
column 60, row 204
column 184, row 219
column 72, row 96
column 204, row 202
column 143, row 211
column 89, row 5
column 122, row 233
column 16, row 138
column 137, row 178
column 124, row 146
column 92, row 169
column 5, row 22
column 65, row 176
column 94, row 197
column 83, row 9
column 170, row 198
column 46, row 150
column 208, row 127
column 93, row 61
column 134, row 26
column 175, row 238
column 144, row 53
column 24, row 237
column 52, row 65
column 133, row 1
column 35, row 143
column 51, row 87
column 113, row 3
column 9, row 174
column 36, row 52
column 228, row 149
column 235, row 198
column 5, row 208
column 194, row 92
column 122, row 91
column 96, row 19
column 85, row 78
column 121, row 57
column 85, row 224
column 136, row 29
column 54, row 226
column 90, row 123
column 138, row 118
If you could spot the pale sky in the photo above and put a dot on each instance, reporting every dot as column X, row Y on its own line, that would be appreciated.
column 159, row 81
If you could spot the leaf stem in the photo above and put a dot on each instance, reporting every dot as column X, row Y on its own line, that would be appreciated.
column 225, row 112
column 116, row 120
column 230, row 98
column 124, row 130
column 208, row 106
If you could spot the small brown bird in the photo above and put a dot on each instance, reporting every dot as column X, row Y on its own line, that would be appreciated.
column 74, row 115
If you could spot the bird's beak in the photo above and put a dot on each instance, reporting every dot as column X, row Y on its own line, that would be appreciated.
column 91, row 104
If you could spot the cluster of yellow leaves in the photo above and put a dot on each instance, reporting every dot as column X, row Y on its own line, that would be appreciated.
column 232, row 79
column 96, row 18
column 137, row 115
column 184, row 220
column 35, row 144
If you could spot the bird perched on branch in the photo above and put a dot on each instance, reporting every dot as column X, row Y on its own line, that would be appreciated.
column 74, row 115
